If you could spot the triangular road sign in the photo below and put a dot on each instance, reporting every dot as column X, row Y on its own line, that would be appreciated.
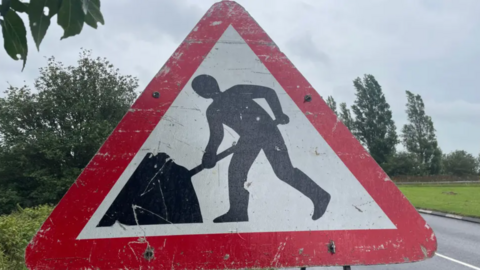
column 283, row 182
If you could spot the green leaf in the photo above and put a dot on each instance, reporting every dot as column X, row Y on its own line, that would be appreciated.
column 71, row 17
column 19, row 6
column 39, row 22
column 94, row 14
column 4, row 7
column 14, row 36
column 53, row 7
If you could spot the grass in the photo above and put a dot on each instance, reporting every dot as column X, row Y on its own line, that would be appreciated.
column 461, row 199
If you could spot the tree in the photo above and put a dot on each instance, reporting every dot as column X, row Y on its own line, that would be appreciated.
column 419, row 135
column 460, row 163
column 332, row 104
column 71, row 16
column 403, row 163
column 50, row 136
column 373, row 125
column 478, row 162
column 345, row 116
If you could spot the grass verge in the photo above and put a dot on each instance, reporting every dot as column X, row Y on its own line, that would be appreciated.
column 461, row 199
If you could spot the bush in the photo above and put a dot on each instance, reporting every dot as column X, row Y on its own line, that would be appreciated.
column 402, row 163
column 16, row 230
column 460, row 163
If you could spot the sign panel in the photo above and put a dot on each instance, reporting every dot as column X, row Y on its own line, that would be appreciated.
column 230, row 159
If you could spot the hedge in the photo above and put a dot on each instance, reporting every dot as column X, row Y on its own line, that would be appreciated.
column 16, row 230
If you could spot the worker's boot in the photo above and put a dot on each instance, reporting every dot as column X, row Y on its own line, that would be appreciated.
column 238, row 211
column 310, row 189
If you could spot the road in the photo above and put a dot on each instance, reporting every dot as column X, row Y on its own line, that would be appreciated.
column 458, row 248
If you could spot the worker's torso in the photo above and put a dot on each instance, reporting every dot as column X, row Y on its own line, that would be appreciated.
column 240, row 113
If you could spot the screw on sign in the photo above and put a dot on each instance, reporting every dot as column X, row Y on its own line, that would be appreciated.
column 230, row 159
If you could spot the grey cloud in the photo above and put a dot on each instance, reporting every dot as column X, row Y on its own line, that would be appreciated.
column 455, row 111
column 430, row 47
column 304, row 47
column 148, row 18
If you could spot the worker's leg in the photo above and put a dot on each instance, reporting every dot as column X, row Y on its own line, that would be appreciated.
column 242, row 159
column 277, row 154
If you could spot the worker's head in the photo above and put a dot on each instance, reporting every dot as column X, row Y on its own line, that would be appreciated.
column 205, row 86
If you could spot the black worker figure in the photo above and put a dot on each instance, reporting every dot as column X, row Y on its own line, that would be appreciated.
column 236, row 108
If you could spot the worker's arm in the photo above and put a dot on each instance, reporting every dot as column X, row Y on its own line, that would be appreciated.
column 216, row 136
column 272, row 99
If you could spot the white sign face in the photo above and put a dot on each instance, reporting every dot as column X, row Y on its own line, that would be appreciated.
column 258, row 188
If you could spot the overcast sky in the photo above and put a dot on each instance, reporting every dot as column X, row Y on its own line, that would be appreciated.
column 430, row 47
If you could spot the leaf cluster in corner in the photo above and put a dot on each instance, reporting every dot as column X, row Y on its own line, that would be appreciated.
column 71, row 16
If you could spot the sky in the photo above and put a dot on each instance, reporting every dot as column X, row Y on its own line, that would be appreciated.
column 429, row 47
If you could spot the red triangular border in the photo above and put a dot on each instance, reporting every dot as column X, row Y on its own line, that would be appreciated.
column 55, row 247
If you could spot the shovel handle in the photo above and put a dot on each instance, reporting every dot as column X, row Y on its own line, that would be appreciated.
column 220, row 156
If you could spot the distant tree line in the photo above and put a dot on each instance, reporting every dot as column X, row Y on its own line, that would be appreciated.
column 48, row 135
column 372, row 124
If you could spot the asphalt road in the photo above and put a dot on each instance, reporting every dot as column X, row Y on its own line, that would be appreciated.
column 458, row 248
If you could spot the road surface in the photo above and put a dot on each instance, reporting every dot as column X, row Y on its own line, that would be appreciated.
column 458, row 248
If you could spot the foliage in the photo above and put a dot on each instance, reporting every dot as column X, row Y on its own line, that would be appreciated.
column 16, row 230
column 478, row 162
column 345, row 116
column 460, row 163
column 403, row 163
column 48, row 137
column 71, row 16
column 332, row 104
column 419, row 135
column 373, row 125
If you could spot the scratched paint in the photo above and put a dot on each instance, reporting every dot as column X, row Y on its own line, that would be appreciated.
column 368, row 219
